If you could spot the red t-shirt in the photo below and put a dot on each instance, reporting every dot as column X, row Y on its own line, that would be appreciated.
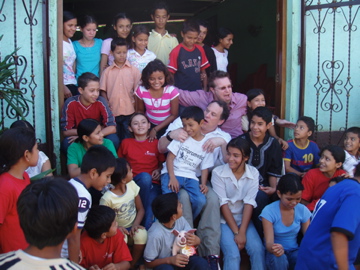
column 143, row 156
column 113, row 250
column 315, row 184
column 11, row 235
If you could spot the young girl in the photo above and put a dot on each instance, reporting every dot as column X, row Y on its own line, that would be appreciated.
column 146, row 162
column 125, row 200
column 316, row 181
column 43, row 161
column 89, row 132
column 140, row 56
column 236, row 185
column 282, row 221
column 256, row 98
column 18, row 151
column 157, row 97
column 122, row 26
column 224, row 39
column 88, row 48
column 69, row 56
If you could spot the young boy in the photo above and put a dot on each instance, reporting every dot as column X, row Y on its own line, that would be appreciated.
column 184, row 159
column 352, row 148
column 117, row 84
column 160, row 41
column 87, row 105
column 48, row 211
column 266, row 156
column 96, row 169
column 168, row 212
column 188, row 60
column 102, row 243
column 302, row 154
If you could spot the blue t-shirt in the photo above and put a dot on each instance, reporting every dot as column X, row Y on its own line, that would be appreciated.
column 88, row 58
column 285, row 235
column 302, row 159
column 336, row 211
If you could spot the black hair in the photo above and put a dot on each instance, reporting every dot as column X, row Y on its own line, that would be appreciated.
column 136, row 114
column 22, row 124
column 337, row 179
column 203, row 23
column 241, row 144
column 97, row 157
column 67, row 16
column 336, row 151
column 310, row 123
column 289, row 182
column 85, row 78
column 251, row 94
column 221, row 33
column 99, row 220
column 192, row 112
column 357, row 170
column 165, row 206
column 190, row 25
column 48, row 210
column 153, row 66
column 118, row 42
column 117, row 17
column 160, row 5
column 87, row 19
column 13, row 144
column 86, row 127
column 226, row 111
column 140, row 29
column 120, row 172
column 263, row 113
column 355, row 130
column 217, row 74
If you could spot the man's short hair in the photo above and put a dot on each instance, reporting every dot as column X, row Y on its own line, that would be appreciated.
column 165, row 206
column 97, row 157
column 118, row 42
column 217, row 74
column 193, row 112
column 226, row 111
column 85, row 78
column 190, row 25
column 355, row 130
column 160, row 5
column 48, row 210
column 263, row 113
column 99, row 220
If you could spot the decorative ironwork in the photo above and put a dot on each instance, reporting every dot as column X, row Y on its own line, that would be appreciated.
column 2, row 16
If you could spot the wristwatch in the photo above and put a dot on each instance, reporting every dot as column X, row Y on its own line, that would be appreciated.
column 168, row 136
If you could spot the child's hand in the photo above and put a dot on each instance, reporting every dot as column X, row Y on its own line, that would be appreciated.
column 240, row 240
column 152, row 134
column 124, row 230
column 110, row 266
column 135, row 228
column 204, row 189
column 268, row 190
column 95, row 267
column 67, row 92
column 71, row 139
column 277, row 250
column 284, row 144
column 210, row 144
column 174, row 185
column 345, row 175
column 191, row 239
column 179, row 260
column 285, row 123
column 156, row 174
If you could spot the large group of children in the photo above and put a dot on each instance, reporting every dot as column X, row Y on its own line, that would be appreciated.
column 139, row 174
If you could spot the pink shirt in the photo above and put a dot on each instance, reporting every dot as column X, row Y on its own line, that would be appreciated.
column 157, row 109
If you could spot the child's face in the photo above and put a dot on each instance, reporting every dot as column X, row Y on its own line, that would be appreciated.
column 258, row 127
column 103, row 179
column 139, row 125
column 328, row 163
column 123, row 27
column 352, row 143
column 113, row 229
column 301, row 130
column 90, row 93
column 202, row 35
column 33, row 156
column 288, row 200
column 160, row 18
column 141, row 41
column 258, row 101
column 157, row 80
column 120, row 54
column 96, row 137
column 89, row 31
column 227, row 41
column 235, row 158
column 191, row 127
column 69, row 28
column 189, row 39
column 129, row 176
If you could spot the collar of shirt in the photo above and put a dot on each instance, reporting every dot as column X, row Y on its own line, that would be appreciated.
column 127, row 63
column 153, row 32
column 247, row 174
column 138, row 54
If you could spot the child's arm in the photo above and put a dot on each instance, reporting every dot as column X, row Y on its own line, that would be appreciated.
column 240, row 238
column 290, row 169
column 192, row 239
column 204, row 79
column 173, row 183
column 230, row 221
column 204, row 177
column 340, row 245
column 276, row 249
column 104, row 95
column 67, row 92
column 179, row 260
column 305, row 226
column 103, row 62
column 74, row 170
column 74, row 245
column 117, row 266
column 272, row 188
column 139, row 105
column 283, row 143
column 140, row 212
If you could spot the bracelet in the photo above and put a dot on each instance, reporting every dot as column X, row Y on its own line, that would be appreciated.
column 168, row 136
column 236, row 233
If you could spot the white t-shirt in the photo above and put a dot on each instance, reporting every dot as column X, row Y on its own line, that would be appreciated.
column 350, row 163
column 221, row 59
column 35, row 170
column 69, row 57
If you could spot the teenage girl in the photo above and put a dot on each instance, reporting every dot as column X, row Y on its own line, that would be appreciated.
column 236, row 185
column 88, row 48
column 125, row 200
column 256, row 98
column 69, row 56
column 146, row 162
column 316, row 181
column 89, row 134
column 140, row 56
column 157, row 97
column 18, row 151
column 43, row 161
column 282, row 221
column 224, row 39
column 122, row 26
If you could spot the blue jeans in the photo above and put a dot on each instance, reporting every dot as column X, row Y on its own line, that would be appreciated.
column 195, row 263
column 254, row 247
column 197, row 199
column 284, row 262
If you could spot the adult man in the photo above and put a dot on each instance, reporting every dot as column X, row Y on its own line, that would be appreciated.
column 216, row 114
column 220, row 88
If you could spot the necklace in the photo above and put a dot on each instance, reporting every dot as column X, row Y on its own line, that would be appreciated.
column 157, row 102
